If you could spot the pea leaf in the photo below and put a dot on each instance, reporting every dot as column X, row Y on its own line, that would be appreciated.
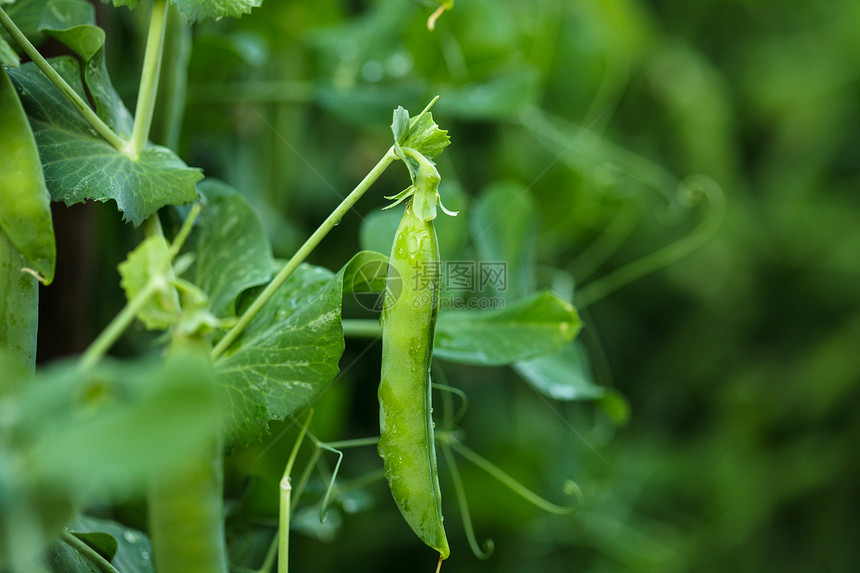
column 195, row 10
column 129, row 549
column 562, row 376
column 540, row 324
column 149, row 263
column 288, row 353
column 27, row 15
column 79, row 165
column 366, row 272
column 426, row 138
column 231, row 250
column 62, row 558
column 25, row 213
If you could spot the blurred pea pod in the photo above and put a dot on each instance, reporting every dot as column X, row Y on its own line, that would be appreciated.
column 26, row 232
column 25, row 213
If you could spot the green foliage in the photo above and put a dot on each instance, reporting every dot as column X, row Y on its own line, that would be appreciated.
column 25, row 217
column 231, row 250
column 577, row 126
column 538, row 324
column 126, row 548
column 79, row 165
column 194, row 10
column 70, row 430
column 289, row 352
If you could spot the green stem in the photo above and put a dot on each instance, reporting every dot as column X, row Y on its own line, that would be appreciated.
column 87, row 552
column 126, row 316
column 361, row 328
column 285, row 491
column 303, row 253
column 149, row 78
column 355, row 443
column 312, row 242
column 94, row 120
column 117, row 326
column 173, row 85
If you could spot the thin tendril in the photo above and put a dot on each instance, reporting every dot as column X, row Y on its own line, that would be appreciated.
column 330, row 488
column 452, row 420
column 569, row 487
column 463, row 504
column 664, row 257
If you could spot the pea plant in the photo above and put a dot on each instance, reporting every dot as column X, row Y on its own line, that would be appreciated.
column 242, row 339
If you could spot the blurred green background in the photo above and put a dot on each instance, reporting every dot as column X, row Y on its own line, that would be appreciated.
column 739, row 361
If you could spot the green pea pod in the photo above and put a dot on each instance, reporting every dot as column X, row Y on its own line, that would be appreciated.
column 406, row 427
column 25, row 213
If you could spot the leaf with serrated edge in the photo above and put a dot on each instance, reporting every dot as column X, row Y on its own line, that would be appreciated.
column 79, row 165
column 215, row 9
column 530, row 327
column 426, row 137
column 285, row 356
column 230, row 246
column 290, row 351
column 147, row 262
column 72, row 22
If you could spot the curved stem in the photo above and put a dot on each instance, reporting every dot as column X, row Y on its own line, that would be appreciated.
column 117, row 326
column 570, row 488
column 312, row 241
column 149, row 78
column 601, row 287
column 303, row 252
column 126, row 316
column 466, row 516
column 94, row 120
